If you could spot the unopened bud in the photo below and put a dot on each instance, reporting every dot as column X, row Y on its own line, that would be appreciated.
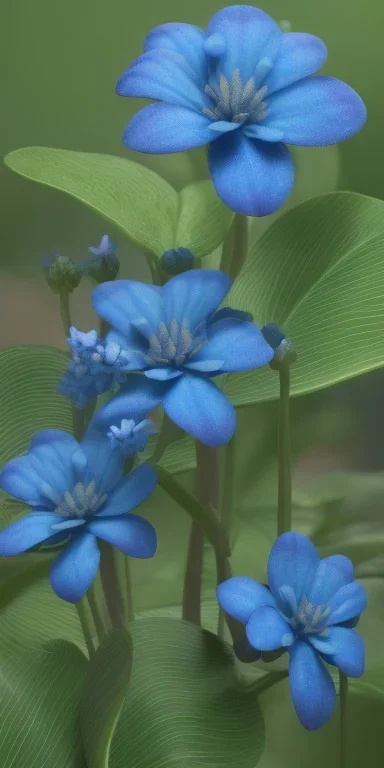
column 61, row 272
column 177, row 260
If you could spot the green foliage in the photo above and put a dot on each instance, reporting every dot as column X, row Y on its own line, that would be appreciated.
column 135, row 199
column 39, row 708
column 182, row 706
column 318, row 273
column 29, row 401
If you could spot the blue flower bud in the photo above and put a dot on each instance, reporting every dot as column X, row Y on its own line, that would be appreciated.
column 177, row 260
column 285, row 353
column 105, row 265
column 61, row 272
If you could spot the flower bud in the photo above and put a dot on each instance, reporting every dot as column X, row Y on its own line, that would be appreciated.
column 61, row 272
column 285, row 354
column 177, row 260
column 105, row 264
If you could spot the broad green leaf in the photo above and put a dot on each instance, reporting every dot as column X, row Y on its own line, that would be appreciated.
column 145, row 207
column 183, row 707
column 28, row 397
column 105, row 688
column 318, row 273
column 203, row 219
column 40, row 707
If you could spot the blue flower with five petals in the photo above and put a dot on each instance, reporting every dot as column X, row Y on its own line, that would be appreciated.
column 175, row 336
column 78, row 494
column 309, row 609
column 245, row 88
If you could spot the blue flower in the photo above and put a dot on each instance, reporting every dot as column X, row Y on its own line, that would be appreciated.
column 309, row 609
column 131, row 437
column 245, row 88
column 95, row 367
column 174, row 335
column 78, row 494
column 105, row 265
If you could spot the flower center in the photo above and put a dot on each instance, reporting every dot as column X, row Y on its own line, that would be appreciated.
column 82, row 501
column 309, row 618
column 172, row 344
column 234, row 101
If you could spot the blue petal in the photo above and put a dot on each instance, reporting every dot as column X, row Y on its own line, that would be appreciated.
column 166, row 128
column 250, row 36
column 332, row 574
column 196, row 405
column 52, row 436
column 293, row 563
column 130, row 492
column 252, row 177
column 348, row 603
column 190, row 298
column 127, row 303
column 267, row 630
column 41, row 477
column 133, row 401
column 75, row 568
column 26, row 533
column 344, row 648
column 105, row 462
column 312, row 689
column 163, row 75
column 226, row 313
column 162, row 374
column 240, row 596
column 133, row 346
column 316, row 112
column 300, row 55
column 185, row 39
column 131, row 534
column 240, row 345
column 343, row 563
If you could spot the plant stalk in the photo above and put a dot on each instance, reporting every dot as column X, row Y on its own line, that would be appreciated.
column 343, row 719
column 284, row 513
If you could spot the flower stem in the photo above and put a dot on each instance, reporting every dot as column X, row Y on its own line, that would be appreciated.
column 284, row 512
column 235, row 246
column 226, row 506
column 110, row 584
column 343, row 719
column 207, row 492
column 65, row 311
column 93, row 602
column 86, row 625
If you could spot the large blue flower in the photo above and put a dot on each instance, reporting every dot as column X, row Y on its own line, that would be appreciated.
column 174, row 335
column 310, row 610
column 78, row 494
column 245, row 88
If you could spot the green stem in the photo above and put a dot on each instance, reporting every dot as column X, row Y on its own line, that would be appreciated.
column 240, row 245
column 65, row 312
column 284, row 512
column 78, row 425
column 97, row 617
column 86, row 626
column 104, row 328
column 343, row 719
column 124, row 584
column 163, row 439
column 227, row 250
column 226, row 506
column 207, row 492
column 110, row 584
column 266, row 682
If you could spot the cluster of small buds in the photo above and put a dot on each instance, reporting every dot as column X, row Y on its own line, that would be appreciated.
column 105, row 264
column 96, row 366
column 63, row 275
column 132, row 437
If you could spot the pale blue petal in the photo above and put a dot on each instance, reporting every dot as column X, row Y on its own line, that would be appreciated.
column 105, row 462
column 332, row 574
column 130, row 534
column 267, row 630
column 344, row 648
column 300, row 55
column 75, row 568
column 185, row 39
column 41, row 477
column 190, row 298
column 252, row 177
column 26, row 533
column 165, row 128
column 238, row 344
column 292, row 562
column 250, row 36
column 240, row 596
column 162, row 374
column 134, row 347
column 53, row 436
column 163, row 75
column 348, row 603
column 134, row 400
column 196, row 405
column 130, row 492
column 344, row 563
column 316, row 112
column 127, row 303
column 313, row 692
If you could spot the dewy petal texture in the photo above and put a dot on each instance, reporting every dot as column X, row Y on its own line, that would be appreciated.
column 251, row 176
column 312, row 689
column 165, row 128
column 300, row 55
column 240, row 596
column 75, row 568
column 196, row 405
column 131, row 534
column 267, row 630
column 316, row 112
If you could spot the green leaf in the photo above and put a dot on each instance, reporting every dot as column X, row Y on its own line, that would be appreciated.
column 134, row 198
column 180, row 456
column 29, row 401
column 183, row 707
column 318, row 273
column 39, row 708
column 105, row 688
column 203, row 220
